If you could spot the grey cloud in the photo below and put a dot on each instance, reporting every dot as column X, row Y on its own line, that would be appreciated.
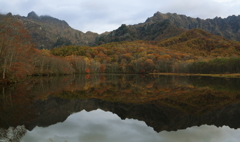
column 202, row 9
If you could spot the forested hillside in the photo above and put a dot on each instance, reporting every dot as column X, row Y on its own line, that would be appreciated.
column 180, row 54
column 168, row 49
column 125, row 57
column 202, row 43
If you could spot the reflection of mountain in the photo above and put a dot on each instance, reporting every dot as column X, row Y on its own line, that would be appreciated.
column 164, row 103
column 158, row 116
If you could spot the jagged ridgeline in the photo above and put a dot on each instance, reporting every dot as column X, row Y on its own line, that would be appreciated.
column 48, row 32
column 162, row 26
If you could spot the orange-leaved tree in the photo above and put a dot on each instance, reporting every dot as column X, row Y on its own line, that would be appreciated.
column 15, row 49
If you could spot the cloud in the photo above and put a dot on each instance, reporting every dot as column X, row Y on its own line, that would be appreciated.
column 203, row 8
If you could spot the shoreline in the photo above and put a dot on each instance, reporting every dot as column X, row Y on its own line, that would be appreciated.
column 230, row 75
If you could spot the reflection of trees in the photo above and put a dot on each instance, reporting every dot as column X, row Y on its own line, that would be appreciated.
column 148, row 87
column 224, row 84
column 173, row 91
column 17, row 101
column 122, row 88
column 31, row 100
column 12, row 134
column 15, row 107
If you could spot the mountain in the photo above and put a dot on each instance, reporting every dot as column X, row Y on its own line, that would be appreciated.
column 162, row 26
column 48, row 32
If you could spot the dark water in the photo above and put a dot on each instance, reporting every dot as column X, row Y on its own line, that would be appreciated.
column 134, row 108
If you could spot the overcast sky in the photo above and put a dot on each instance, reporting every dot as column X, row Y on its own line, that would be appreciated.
column 106, row 15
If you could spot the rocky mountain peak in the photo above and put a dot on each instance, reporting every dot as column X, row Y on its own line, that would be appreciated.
column 173, row 17
column 9, row 14
column 157, row 16
column 45, row 19
column 32, row 15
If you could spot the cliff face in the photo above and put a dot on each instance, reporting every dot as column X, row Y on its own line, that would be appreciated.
column 48, row 32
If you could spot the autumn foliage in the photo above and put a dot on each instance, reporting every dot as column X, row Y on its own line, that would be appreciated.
column 193, row 51
column 14, row 50
column 19, row 58
column 126, row 57
column 176, row 54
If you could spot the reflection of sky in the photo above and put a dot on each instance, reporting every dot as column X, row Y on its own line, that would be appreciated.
column 100, row 126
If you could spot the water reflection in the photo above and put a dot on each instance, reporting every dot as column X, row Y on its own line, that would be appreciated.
column 165, row 103
column 107, row 127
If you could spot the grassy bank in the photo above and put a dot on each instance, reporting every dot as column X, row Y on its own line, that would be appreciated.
column 230, row 75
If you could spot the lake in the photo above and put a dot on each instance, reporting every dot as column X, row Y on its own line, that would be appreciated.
column 112, row 107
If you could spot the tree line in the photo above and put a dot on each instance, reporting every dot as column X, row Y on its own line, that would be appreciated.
column 216, row 66
column 125, row 57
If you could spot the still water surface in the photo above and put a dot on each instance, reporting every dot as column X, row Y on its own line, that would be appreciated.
column 106, row 108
